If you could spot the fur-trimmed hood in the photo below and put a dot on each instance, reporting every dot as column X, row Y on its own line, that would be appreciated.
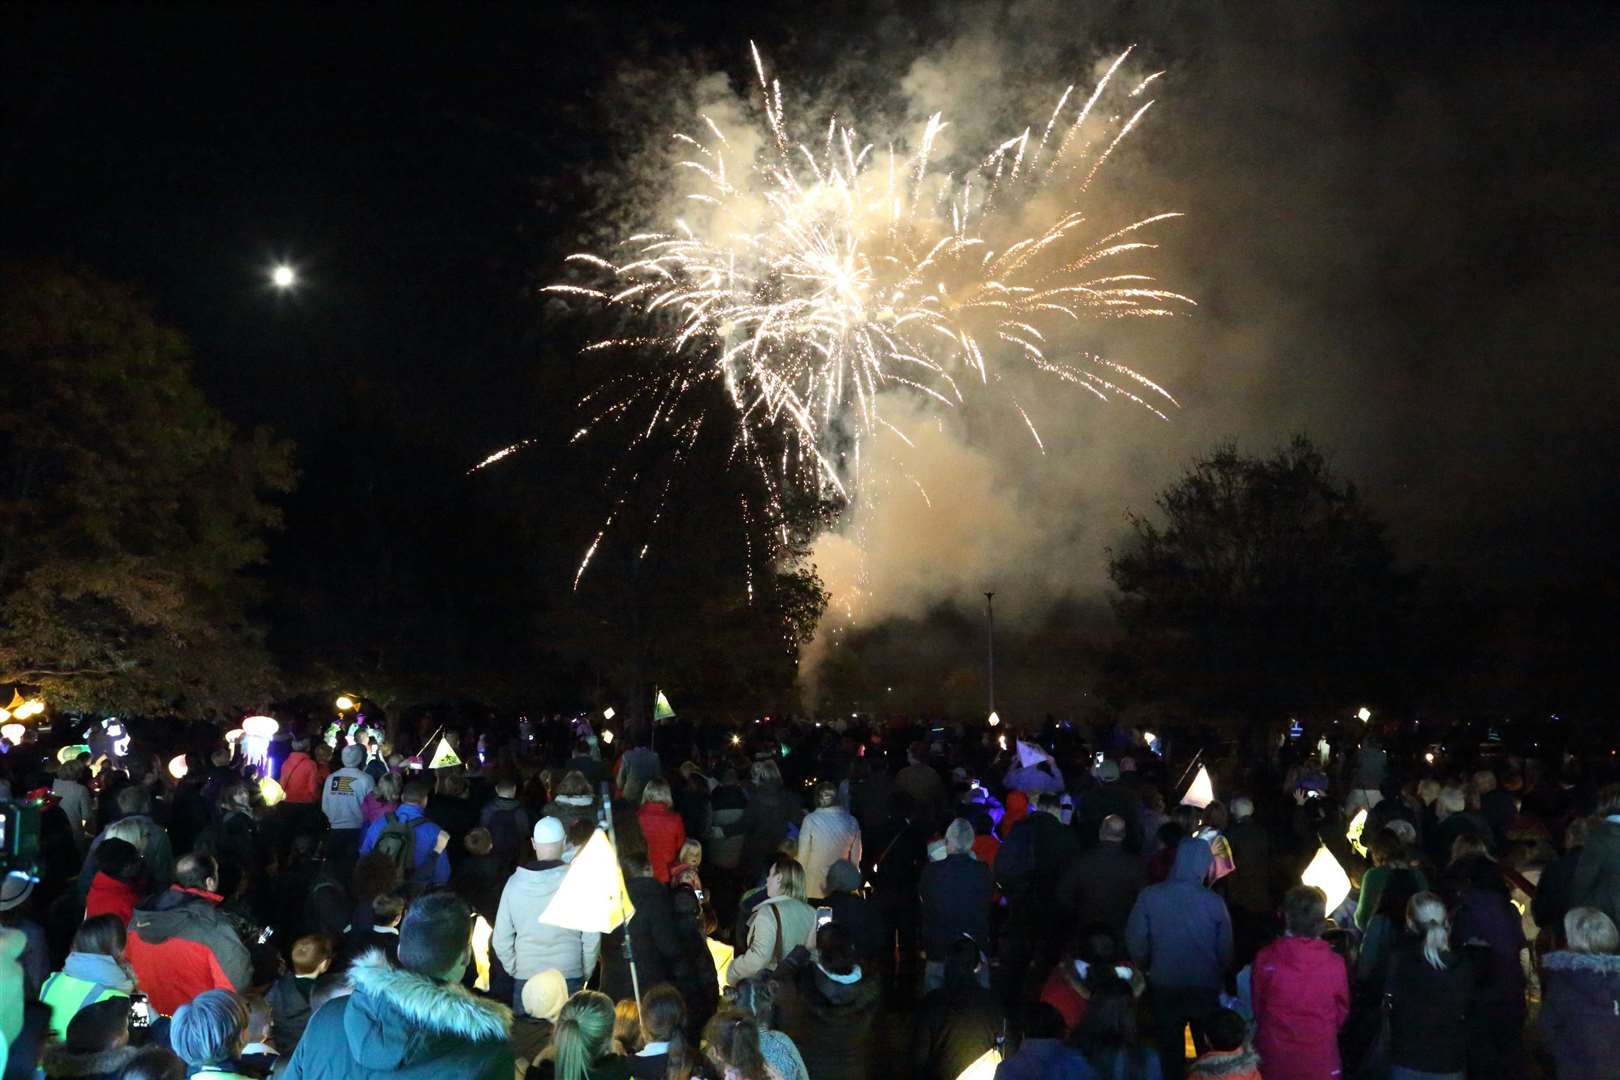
column 58, row 1061
column 1225, row 1065
column 397, row 1018
column 1595, row 963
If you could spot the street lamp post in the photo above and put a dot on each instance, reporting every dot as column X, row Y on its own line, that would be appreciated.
column 990, row 645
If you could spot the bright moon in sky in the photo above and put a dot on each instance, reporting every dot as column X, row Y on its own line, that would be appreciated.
column 283, row 277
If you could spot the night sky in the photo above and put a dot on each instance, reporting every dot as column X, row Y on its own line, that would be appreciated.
column 1401, row 227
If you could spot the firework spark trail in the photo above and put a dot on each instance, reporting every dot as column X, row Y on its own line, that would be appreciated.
column 869, row 273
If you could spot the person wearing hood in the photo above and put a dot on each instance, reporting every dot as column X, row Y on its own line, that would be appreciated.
column 1042, row 1054
column 94, row 971
column 96, row 1047
column 524, row 944
column 113, row 891
column 181, row 943
column 1181, row 934
column 1301, row 994
column 414, row 1021
column 343, row 798
column 1580, row 1000
column 1229, row 1056
column 300, row 777
column 829, row 1008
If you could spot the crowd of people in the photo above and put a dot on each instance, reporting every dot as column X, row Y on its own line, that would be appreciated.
column 810, row 902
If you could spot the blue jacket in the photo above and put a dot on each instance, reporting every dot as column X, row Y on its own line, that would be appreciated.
column 427, row 834
column 1045, row 1059
column 1179, row 931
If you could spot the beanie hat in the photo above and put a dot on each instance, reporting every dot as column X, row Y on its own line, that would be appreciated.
column 353, row 756
column 545, row 994
column 843, row 876
column 548, row 830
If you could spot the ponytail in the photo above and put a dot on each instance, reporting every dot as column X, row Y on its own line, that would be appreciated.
column 1426, row 917
column 678, row 1068
column 733, row 1040
column 584, row 1030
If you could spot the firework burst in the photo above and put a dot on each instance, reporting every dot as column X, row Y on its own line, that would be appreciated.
column 865, row 272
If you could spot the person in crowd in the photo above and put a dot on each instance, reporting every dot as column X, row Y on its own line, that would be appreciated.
column 756, row 1000
column 209, row 1033
column 233, row 840
column 853, row 911
column 74, row 799
column 508, row 824
column 898, row 852
column 1106, row 1037
column 181, row 944
column 1034, row 858
column 764, row 821
column 1431, row 991
column 1580, row 1003
column 662, row 826
column 1300, row 993
column 451, row 807
column 827, row 834
column 1484, row 914
column 300, row 776
column 657, row 939
column 416, row 844
column 1497, row 804
column 665, row 1053
column 34, row 955
column 116, row 887
column 1597, row 873
column 1179, row 932
column 1042, row 1054
column 481, row 876
column 153, row 1063
column 383, row 798
column 96, row 1046
column 869, row 791
column 919, row 781
column 343, row 798
column 585, row 762
column 1452, row 819
column 1229, row 1057
column 582, row 1041
column 685, row 871
column 731, row 1043
column 1102, row 883
column 94, row 971
column 829, row 1007
column 1041, row 774
column 289, row 995
column 259, row 1057
column 543, row 998
column 413, row 1021
column 626, row 1027
column 986, row 844
column 574, row 799
column 957, row 1022
column 1390, row 860
column 134, row 806
column 1249, row 896
column 693, row 961
column 636, row 767
column 1098, row 952
column 379, row 929
column 1554, row 890
column 524, row 944
column 956, row 895
column 784, row 920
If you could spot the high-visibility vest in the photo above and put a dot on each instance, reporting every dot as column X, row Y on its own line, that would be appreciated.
column 66, row 994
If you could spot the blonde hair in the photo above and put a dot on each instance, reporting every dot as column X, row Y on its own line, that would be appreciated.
column 1426, row 916
column 657, row 791
column 1589, row 930
column 128, row 830
column 691, row 854
column 791, row 875
column 627, row 1027
column 583, row 1033
column 1452, row 799
column 765, row 772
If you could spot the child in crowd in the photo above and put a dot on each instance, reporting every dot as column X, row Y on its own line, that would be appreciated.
column 1229, row 1057
column 289, row 996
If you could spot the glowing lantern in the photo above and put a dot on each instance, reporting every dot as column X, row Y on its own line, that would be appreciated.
column 983, row 1067
column 1202, row 792
column 608, row 713
column 1001, row 741
column 662, row 709
column 68, row 753
column 344, row 702
column 232, row 736
column 178, row 767
column 736, row 740
column 13, row 733
column 592, row 897
column 1358, row 825
column 994, row 719
column 5, row 714
column 1326, row 874
column 722, row 955
column 1364, row 714
column 607, row 737
column 256, row 734
column 444, row 756
column 271, row 792
column 482, row 933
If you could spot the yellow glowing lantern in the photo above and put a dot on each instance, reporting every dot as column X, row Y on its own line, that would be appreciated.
column 271, row 792
column 1358, row 825
column 1326, row 874
column 983, row 1067
column 592, row 897
column 344, row 702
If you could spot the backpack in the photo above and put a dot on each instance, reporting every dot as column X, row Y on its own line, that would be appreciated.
column 398, row 842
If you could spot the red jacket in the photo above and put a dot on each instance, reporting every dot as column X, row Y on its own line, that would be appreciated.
column 300, row 777
column 181, row 944
column 109, row 896
column 1301, row 998
column 665, row 833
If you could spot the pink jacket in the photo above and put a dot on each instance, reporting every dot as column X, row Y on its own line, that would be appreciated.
column 1301, row 998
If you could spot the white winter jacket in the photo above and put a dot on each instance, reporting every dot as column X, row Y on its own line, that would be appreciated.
column 525, row 946
column 825, row 836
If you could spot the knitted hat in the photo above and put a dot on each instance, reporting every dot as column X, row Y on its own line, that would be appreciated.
column 545, row 994
column 354, row 756
column 843, row 876
column 548, row 830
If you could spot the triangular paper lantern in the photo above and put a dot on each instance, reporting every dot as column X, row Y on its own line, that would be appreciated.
column 983, row 1067
column 1358, row 826
column 1202, row 792
column 1029, row 754
column 444, row 757
column 662, row 709
column 592, row 897
column 1326, row 874
column 17, row 701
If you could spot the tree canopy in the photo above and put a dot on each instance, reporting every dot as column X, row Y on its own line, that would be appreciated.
column 1269, row 586
column 129, row 508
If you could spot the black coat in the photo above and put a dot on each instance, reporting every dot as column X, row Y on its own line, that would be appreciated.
column 956, row 894
column 764, row 825
column 1429, row 1019
column 654, row 941
column 955, row 1025
column 1101, row 886
column 863, row 920
column 834, row 1024
column 1580, row 1014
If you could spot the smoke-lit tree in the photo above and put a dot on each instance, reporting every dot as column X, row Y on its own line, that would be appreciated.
column 1268, row 586
column 129, row 508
